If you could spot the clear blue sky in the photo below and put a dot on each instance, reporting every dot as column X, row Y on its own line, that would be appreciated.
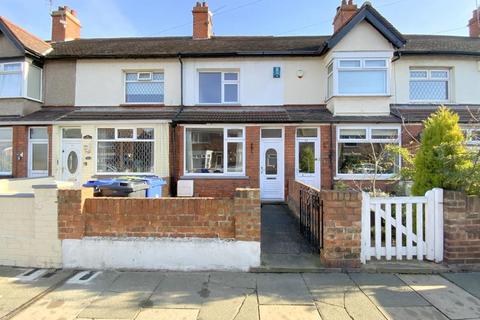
column 113, row 18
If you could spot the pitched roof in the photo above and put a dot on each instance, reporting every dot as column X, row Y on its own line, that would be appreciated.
column 369, row 14
column 27, row 41
column 263, row 114
column 428, row 44
column 419, row 112
column 186, row 46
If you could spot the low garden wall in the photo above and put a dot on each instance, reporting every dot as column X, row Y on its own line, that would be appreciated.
column 462, row 228
column 165, row 233
column 341, row 223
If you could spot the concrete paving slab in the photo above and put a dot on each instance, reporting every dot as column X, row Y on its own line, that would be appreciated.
column 114, row 305
column 287, row 288
column 234, row 279
column 289, row 312
column 329, row 288
column 67, row 301
column 413, row 313
column 14, row 294
column 332, row 312
column 447, row 297
column 359, row 307
column 181, row 291
column 168, row 314
column 387, row 290
column 468, row 281
column 249, row 309
column 136, row 281
column 223, row 303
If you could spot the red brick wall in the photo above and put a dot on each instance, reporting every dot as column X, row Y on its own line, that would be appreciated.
column 20, row 144
column 461, row 228
column 80, row 215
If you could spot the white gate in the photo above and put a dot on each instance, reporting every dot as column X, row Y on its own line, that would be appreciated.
column 403, row 227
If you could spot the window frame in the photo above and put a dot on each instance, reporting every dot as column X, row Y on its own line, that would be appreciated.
column 224, row 82
column 368, row 139
column 226, row 140
column 337, row 68
column 24, row 69
column 125, row 81
column 115, row 139
column 31, row 142
column 429, row 78
column 6, row 173
column 469, row 142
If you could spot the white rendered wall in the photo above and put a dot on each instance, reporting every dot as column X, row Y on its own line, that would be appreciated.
column 160, row 253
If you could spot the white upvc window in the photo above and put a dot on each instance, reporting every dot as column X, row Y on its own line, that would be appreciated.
column 214, row 151
column 144, row 87
column 125, row 150
column 358, row 77
column 429, row 85
column 217, row 87
column 6, row 151
column 20, row 80
column 362, row 153
column 472, row 136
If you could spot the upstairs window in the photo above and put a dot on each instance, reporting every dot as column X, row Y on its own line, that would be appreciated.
column 11, row 80
column 218, row 87
column 357, row 77
column 429, row 85
column 144, row 87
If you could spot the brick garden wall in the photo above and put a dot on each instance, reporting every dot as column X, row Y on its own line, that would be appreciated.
column 462, row 228
column 81, row 215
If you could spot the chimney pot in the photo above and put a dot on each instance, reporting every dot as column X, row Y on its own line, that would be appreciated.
column 65, row 24
column 344, row 13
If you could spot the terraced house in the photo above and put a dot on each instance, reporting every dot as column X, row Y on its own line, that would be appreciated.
column 225, row 112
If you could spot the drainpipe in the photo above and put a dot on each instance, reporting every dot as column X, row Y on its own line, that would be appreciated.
column 173, row 180
column 330, row 156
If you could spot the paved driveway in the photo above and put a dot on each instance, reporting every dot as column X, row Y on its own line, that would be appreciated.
column 243, row 296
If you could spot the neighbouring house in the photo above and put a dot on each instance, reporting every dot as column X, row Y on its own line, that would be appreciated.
column 229, row 111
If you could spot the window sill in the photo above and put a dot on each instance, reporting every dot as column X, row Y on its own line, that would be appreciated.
column 365, row 177
column 211, row 177
column 159, row 104
column 218, row 104
column 360, row 96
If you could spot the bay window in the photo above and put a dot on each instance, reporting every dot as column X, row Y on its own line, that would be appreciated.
column 125, row 150
column 358, row 76
column 6, row 151
column 362, row 152
column 472, row 136
column 429, row 85
column 144, row 87
column 218, row 87
column 14, row 84
column 214, row 151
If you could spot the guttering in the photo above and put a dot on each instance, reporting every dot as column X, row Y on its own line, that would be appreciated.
column 438, row 53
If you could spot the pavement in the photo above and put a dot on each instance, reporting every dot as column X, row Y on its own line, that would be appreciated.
column 63, row 295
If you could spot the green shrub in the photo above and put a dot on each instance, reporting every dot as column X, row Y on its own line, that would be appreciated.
column 442, row 160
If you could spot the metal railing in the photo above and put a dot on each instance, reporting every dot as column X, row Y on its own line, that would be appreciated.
column 311, row 218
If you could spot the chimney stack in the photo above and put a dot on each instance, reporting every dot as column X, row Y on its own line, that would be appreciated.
column 202, row 21
column 474, row 24
column 65, row 25
column 345, row 12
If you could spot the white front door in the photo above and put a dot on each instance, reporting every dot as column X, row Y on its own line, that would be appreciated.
column 272, row 165
column 71, row 154
column 307, row 156
column 37, row 152
column 71, row 160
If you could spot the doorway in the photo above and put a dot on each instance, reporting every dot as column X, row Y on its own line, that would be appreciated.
column 71, row 154
column 37, row 152
column 272, row 165
column 307, row 156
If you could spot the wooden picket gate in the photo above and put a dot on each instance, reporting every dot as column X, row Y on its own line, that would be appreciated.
column 403, row 227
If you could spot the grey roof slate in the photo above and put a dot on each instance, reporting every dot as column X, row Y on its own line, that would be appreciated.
column 419, row 112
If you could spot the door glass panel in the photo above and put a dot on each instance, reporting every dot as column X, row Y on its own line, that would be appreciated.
column 72, row 162
column 38, row 133
column 271, row 166
column 39, row 156
column 306, row 157
column 72, row 133
column 271, row 133
column 307, row 133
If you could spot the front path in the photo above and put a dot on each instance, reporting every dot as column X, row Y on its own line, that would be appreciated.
column 250, row 296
